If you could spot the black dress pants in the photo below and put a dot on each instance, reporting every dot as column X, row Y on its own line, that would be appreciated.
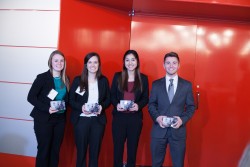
column 126, row 126
column 88, row 134
column 49, row 137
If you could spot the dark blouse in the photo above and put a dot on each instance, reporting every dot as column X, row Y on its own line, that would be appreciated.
column 129, row 95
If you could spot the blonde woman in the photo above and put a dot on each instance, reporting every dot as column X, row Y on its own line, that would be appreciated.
column 49, row 96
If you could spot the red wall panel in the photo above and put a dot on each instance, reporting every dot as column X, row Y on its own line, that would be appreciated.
column 85, row 28
column 229, row 2
column 220, row 126
column 215, row 55
column 209, row 9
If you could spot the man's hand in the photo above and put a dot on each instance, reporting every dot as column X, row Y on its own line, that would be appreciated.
column 178, row 123
column 160, row 121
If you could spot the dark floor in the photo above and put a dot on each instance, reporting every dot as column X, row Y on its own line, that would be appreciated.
column 124, row 165
column 148, row 166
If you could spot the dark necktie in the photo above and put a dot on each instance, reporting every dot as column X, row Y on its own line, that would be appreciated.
column 171, row 90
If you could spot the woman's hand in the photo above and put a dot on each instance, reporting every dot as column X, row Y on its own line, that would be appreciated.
column 134, row 107
column 84, row 111
column 52, row 110
column 99, row 110
column 119, row 108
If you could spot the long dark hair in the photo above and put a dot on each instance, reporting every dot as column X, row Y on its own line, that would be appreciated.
column 84, row 76
column 123, row 79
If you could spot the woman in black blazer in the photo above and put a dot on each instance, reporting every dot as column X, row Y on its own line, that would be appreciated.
column 129, row 85
column 49, row 121
column 89, row 97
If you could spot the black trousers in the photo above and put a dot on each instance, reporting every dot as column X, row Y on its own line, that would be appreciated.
column 49, row 137
column 128, row 127
column 177, row 150
column 88, row 134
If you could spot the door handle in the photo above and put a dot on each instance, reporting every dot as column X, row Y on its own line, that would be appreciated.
column 197, row 97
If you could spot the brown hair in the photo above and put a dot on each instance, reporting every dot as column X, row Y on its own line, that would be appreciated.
column 84, row 76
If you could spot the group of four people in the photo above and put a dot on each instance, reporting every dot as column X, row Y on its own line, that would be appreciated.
column 92, row 87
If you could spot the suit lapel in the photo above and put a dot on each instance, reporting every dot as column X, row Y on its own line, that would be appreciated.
column 164, row 89
column 179, row 89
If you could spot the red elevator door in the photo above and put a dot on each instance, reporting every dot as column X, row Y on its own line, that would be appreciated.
column 215, row 56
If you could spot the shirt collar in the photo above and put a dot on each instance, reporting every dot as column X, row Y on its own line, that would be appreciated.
column 175, row 78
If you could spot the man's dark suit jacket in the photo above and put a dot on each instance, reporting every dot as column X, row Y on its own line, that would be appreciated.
column 38, row 96
column 77, row 101
column 182, row 105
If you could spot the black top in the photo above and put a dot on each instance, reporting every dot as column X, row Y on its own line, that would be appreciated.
column 38, row 96
column 77, row 101
column 141, row 98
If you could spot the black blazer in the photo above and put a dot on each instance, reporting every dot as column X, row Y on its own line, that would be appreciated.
column 182, row 105
column 38, row 96
column 77, row 101
column 141, row 98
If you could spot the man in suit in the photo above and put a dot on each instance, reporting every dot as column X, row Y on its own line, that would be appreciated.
column 171, row 96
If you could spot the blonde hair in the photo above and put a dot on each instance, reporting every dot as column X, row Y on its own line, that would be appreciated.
column 63, row 72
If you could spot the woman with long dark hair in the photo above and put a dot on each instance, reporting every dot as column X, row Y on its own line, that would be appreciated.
column 89, row 96
column 129, row 94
